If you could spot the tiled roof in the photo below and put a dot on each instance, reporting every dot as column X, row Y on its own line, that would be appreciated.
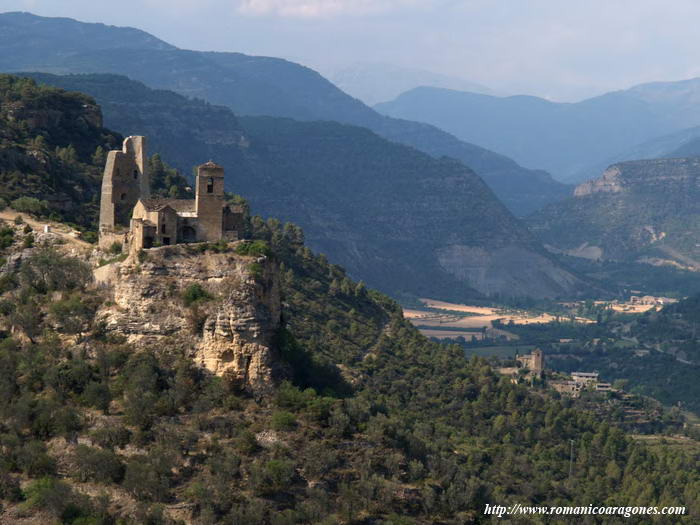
column 179, row 205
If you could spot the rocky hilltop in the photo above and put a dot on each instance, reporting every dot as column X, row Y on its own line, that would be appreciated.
column 646, row 211
column 223, row 309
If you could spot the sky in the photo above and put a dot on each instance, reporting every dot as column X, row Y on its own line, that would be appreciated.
column 563, row 50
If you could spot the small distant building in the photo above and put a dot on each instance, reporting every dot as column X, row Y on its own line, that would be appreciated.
column 603, row 387
column 129, row 216
column 533, row 362
column 571, row 388
column 584, row 378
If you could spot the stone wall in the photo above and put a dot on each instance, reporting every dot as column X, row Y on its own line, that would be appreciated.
column 125, row 181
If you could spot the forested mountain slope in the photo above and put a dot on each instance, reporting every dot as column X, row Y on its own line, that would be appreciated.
column 50, row 143
column 377, row 422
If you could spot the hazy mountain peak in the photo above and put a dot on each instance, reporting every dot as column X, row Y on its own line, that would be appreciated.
column 375, row 82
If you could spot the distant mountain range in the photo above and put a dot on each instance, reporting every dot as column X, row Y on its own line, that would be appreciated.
column 374, row 82
column 639, row 211
column 250, row 86
column 404, row 222
column 571, row 141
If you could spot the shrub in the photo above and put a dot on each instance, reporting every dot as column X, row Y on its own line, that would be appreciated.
column 256, row 270
column 89, row 236
column 9, row 487
column 28, row 241
column 94, row 464
column 148, row 477
column 273, row 476
column 115, row 248
column 283, row 421
column 48, row 271
column 30, row 205
column 71, row 314
column 97, row 395
column 7, row 237
column 247, row 443
column 254, row 248
column 48, row 494
column 112, row 436
column 33, row 460
column 194, row 293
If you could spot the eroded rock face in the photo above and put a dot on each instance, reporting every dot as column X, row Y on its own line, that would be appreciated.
column 229, row 333
column 609, row 182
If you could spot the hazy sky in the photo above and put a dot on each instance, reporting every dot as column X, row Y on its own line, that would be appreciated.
column 560, row 49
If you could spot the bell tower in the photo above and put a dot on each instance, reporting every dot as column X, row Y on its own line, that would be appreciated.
column 210, row 202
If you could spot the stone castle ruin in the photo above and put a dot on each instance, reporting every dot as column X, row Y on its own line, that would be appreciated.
column 130, row 217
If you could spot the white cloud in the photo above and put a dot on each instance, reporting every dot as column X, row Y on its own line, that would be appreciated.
column 323, row 8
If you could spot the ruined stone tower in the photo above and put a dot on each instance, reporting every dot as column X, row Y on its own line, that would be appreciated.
column 210, row 202
column 125, row 182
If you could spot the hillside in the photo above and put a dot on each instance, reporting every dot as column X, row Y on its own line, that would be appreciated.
column 50, row 144
column 251, row 86
column 391, row 215
column 644, row 211
column 374, row 421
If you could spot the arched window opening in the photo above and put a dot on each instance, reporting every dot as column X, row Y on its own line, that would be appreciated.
column 210, row 185
column 136, row 174
column 123, row 196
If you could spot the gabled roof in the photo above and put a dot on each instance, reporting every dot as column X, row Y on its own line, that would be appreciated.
column 178, row 205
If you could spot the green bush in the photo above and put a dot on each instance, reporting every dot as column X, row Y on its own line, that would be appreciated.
column 148, row 477
column 115, row 248
column 283, row 421
column 194, row 293
column 30, row 205
column 48, row 494
column 112, row 436
column 254, row 248
column 256, row 270
column 94, row 464
column 7, row 237
column 273, row 476
column 28, row 241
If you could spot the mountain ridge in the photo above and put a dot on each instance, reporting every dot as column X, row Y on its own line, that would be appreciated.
column 390, row 214
column 268, row 86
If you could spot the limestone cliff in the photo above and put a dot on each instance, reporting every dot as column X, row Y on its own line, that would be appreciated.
column 225, row 308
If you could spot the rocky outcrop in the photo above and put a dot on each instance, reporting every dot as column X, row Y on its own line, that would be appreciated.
column 224, row 309
column 609, row 182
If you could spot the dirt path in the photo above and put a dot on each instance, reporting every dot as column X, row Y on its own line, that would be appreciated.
column 69, row 235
